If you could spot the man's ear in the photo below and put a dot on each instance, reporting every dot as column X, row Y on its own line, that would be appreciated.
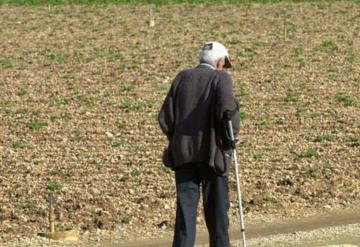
column 220, row 63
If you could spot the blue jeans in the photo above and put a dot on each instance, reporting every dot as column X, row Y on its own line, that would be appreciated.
column 215, row 202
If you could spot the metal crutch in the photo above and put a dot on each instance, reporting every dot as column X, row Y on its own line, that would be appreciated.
column 233, row 146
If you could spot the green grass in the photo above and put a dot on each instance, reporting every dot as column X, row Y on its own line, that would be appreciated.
column 157, row 2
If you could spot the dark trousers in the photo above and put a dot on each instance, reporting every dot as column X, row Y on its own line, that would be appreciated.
column 215, row 201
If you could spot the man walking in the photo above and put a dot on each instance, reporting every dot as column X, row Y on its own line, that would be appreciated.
column 192, row 118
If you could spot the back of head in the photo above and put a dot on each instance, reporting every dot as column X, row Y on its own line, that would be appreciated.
column 211, row 52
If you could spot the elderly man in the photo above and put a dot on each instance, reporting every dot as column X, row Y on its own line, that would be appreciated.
column 192, row 118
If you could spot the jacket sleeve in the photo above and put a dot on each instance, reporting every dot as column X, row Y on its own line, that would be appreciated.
column 166, row 117
column 226, row 101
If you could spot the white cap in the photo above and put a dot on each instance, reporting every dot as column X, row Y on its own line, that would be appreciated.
column 213, row 51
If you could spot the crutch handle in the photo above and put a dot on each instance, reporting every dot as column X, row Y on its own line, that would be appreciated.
column 227, row 116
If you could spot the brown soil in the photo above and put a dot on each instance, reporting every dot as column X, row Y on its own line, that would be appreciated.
column 81, row 86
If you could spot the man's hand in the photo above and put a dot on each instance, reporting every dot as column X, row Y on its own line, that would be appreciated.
column 237, row 139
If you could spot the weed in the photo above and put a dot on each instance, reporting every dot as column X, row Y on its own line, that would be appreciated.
column 19, row 144
column 58, row 58
column 127, row 88
column 27, row 205
column 346, row 100
column 114, row 56
column 299, row 112
column 262, row 121
column 37, row 125
column 258, row 155
column 291, row 98
column 54, row 186
column 313, row 115
column 350, row 57
column 308, row 153
column 355, row 138
column 124, row 178
column 120, row 125
column 118, row 142
column 328, row 46
column 301, row 63
column 248, row 52
column 60, row 102
column 271, row 199
column 125, row 220
column 243, row 115
column 77, row 136
column 329, row 166
column 285, row 182
column 342, row 12
column 312, row 170
column 88, row 101
column 38, row 161
column 6, row 63
column 235, row 42
column 6, row 105
column 134, row 105
column 242, row 90
column 135, row 173
column 61, row 116
column 323, row 137
column 22, row 91
column 259, row 44
column 297, row 51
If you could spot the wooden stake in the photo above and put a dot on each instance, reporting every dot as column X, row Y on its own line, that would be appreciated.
column 51, row 212
column 152, row 19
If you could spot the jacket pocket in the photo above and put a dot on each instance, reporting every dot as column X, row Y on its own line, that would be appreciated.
column 167, row 158
column 222, row 161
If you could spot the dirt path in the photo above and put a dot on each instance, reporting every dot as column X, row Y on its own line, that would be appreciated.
column 334, row 228
column 317, row 224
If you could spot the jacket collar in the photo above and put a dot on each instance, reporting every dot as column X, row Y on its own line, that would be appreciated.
column 206, row 65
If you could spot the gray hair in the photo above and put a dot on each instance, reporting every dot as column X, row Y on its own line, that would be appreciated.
column 212, row 52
